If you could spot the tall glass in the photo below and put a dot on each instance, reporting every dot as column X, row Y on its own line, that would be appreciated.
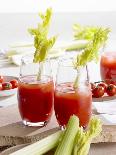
column 108, row 64
column 68, row 99
column 35, row 96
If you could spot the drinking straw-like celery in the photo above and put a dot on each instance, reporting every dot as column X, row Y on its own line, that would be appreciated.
column 42, row 43
column 83, row 139
column 91, row 52
column 65, row 147
column 41, row 146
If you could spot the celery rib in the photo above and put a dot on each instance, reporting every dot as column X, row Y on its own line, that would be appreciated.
column 41, row 146
column 65, row 147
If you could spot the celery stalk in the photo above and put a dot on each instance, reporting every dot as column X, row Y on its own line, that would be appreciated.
column 41, row 146
column 76, row 47
column 65, row 147
column 83, row 139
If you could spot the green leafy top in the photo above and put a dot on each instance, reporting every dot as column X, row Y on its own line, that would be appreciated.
column 41, row 42
column 83, row 138
column 84, row 32
column 91, row 52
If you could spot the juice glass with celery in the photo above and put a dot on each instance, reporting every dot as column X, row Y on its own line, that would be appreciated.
column 35, row 96
column 68, row 99
column 36, row 88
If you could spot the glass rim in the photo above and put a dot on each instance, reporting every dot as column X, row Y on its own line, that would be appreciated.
column 32, row 55
column 21, row 77
column 61, row 63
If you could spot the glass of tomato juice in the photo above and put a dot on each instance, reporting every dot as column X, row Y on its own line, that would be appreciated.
column 68, row 99
column 35, row 96
column 108, row 66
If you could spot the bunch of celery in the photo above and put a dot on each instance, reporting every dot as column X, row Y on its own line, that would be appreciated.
column 72, row 141
column 80, row 143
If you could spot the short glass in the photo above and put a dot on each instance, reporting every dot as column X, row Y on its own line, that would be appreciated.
column 35, row 97
column 108, row 63
column 69, row 100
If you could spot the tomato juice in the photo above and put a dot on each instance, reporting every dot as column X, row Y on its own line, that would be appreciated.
column 108, row 66
column 69, row 101
column 35, row 99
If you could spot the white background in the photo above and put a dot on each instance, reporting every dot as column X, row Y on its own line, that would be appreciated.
column 16, row 16
column 57, row 5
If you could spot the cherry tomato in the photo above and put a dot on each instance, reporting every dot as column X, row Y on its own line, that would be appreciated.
column 111, row 90
column 98, row 91
column 14, row 83
column 1, row 79
column 0, row 86
column 93, row 85
column 6, row 86
column 104, row 85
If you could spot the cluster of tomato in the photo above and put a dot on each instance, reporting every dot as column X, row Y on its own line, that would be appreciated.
column 107, row 87
column 8, row 85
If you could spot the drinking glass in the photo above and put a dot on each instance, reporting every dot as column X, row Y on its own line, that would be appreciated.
column 108, row 63
column 68, row 99
column 35, row 96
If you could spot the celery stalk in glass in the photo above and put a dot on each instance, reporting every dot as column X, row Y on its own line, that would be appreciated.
column 42, row 43
column 91, row 52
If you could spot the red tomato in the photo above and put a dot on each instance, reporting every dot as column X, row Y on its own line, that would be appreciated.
column 93, row 85
column 104, row 85
column 98, row 91
column 14, row 83
column 111, row 90
column 6, row 86
column 1, row 79
column 0, row 86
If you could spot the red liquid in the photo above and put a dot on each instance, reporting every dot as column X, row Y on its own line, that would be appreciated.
column 68, row 101
column 35, row 99
column 108, row 66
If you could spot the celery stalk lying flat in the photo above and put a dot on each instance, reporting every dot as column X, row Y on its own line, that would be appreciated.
column 41, row 146
column 65, row 147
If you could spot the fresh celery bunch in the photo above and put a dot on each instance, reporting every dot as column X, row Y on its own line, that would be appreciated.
column 77, row 141
column 73, row 141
